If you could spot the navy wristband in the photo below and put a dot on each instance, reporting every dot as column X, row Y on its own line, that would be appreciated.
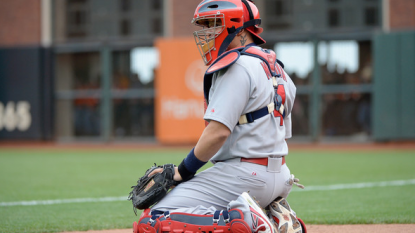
column 184, row 173
column 189, row 166
column 192, row 163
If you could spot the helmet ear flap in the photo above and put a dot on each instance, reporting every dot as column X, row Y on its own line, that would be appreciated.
column 252, row 25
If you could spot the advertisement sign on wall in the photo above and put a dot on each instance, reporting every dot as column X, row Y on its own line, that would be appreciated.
column 179, row 92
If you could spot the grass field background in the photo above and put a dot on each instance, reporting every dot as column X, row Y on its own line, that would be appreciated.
column 28, row 174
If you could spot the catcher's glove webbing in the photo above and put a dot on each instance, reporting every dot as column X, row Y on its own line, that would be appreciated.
column 150, row 190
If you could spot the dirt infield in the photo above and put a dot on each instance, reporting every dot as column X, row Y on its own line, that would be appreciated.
column 378, row 228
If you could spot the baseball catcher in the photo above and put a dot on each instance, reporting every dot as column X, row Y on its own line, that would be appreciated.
column 248, row 103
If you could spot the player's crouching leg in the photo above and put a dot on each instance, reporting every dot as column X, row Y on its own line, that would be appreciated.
column 221, row 221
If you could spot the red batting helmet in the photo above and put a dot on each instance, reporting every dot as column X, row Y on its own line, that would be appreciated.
column 221, row 20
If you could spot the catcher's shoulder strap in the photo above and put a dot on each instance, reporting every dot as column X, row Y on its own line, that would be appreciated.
column 272, row 67
column 268, row 56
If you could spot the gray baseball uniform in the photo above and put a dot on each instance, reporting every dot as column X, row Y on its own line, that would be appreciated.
column 241, row 88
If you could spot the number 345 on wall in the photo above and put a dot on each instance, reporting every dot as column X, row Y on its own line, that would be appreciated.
column 15, row 116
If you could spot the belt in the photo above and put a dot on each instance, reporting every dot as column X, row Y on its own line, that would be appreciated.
column 260, row 161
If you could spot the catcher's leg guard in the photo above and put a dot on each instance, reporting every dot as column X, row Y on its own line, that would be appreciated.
column 238, row 224
column 256, row 219
column 147, row 223
column 284, row 218
column 219, row 222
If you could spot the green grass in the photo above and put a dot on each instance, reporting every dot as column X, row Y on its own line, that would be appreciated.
column 393, row 204
column 49, row 174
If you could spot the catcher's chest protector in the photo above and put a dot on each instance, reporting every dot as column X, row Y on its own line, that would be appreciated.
column 272, row 67
column 219, row 222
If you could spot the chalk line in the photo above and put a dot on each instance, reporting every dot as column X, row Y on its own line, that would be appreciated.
column 356, row 185
column 124, row 198
column 63, row 201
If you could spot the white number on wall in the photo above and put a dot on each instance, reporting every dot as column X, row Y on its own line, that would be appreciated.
column 15, row 116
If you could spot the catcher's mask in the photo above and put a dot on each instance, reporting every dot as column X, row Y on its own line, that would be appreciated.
column 220, row 22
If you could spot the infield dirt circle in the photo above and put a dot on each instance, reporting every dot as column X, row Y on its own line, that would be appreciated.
column 378, row 228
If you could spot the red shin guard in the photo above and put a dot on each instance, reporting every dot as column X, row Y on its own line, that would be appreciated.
column 238, row 224
column 191, row 223
column 146, row 223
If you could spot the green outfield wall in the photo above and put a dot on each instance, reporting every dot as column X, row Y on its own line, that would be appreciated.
column 394, row 85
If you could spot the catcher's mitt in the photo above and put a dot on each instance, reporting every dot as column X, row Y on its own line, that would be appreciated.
column 150, row 190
